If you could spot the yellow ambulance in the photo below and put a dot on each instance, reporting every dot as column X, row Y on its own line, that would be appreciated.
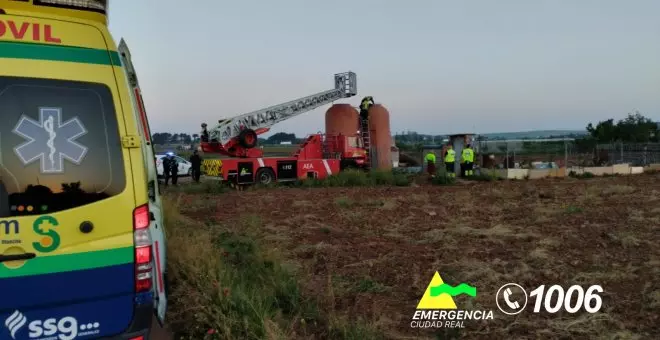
column 82, row 245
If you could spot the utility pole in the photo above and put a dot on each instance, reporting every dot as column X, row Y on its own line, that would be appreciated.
column 566, row 154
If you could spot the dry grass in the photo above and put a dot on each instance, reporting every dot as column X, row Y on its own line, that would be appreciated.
column 226, row 285
column 355, row 261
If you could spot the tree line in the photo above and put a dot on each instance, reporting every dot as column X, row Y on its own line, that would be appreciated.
column 166, row 138
column 635, row 128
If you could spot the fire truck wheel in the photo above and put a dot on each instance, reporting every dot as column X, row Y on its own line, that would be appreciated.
column 265, row 176
column 248, row 138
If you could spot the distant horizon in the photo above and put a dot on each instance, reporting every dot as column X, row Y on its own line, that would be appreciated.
column 502, row 133
column 277, row 129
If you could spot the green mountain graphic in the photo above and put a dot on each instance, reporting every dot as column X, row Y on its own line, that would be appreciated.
column 462, row 288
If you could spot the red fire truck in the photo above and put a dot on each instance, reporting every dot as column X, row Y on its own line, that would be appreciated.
column 319, row 156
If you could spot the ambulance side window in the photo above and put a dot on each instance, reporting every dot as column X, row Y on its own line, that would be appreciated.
column 59, row 145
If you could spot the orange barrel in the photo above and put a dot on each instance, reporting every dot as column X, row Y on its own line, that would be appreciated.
column 341, row 119
column 381, row 137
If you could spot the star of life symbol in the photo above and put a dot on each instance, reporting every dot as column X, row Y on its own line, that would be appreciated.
column 50, row 141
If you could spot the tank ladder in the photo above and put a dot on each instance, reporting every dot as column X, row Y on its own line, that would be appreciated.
column 366, row 139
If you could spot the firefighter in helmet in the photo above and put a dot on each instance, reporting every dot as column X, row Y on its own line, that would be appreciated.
column 366, row 103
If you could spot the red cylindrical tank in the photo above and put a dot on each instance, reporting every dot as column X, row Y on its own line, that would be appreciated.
column 341, row 119
column 381, row 138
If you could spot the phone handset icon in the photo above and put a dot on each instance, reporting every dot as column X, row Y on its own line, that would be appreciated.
column 509, row 304
column 507, row 295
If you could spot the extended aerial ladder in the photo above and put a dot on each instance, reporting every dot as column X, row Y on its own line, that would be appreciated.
column 237, row 136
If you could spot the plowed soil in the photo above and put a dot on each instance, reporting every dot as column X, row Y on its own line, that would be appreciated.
column 370, row 253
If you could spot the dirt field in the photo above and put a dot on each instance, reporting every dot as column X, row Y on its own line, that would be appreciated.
column 368, row 254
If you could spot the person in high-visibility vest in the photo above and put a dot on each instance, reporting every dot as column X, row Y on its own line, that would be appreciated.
column 365, row 105
column 430, row 163
column 467, row 160
column 450, row 159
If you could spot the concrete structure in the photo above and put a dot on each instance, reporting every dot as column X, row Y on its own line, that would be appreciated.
column 458, row 142
column 395, row 155
column 381, row 138
column 635, row 170
column 652, row 167
column 341, row 119
column 617, row 169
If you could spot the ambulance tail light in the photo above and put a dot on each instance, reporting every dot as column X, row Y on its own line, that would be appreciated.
column 100, row 6
column 143, row 250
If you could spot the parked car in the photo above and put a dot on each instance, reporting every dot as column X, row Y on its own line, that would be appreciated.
column 185, row 167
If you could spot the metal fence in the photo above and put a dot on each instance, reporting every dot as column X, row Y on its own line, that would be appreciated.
column 558, row 153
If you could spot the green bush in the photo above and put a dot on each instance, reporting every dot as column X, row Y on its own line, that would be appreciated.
column 441, row 179
column 584, row 175
column 350, row 178
column 205, row 187
column 482, row 177
column 359, row 178
column 403, row 180
column 346, row 178
column 382, row 177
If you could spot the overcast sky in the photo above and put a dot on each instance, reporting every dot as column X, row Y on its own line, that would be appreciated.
column 438, row 66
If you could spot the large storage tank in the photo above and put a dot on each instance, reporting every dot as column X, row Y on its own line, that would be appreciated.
column 341, row 119
column 381, row 138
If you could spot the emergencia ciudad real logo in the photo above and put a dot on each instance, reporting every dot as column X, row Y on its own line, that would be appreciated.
column 437, row 308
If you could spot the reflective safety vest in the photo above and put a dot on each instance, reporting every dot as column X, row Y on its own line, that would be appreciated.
column 430, row 157
column 468, row 155
column 451, row 156
column 366, row 103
